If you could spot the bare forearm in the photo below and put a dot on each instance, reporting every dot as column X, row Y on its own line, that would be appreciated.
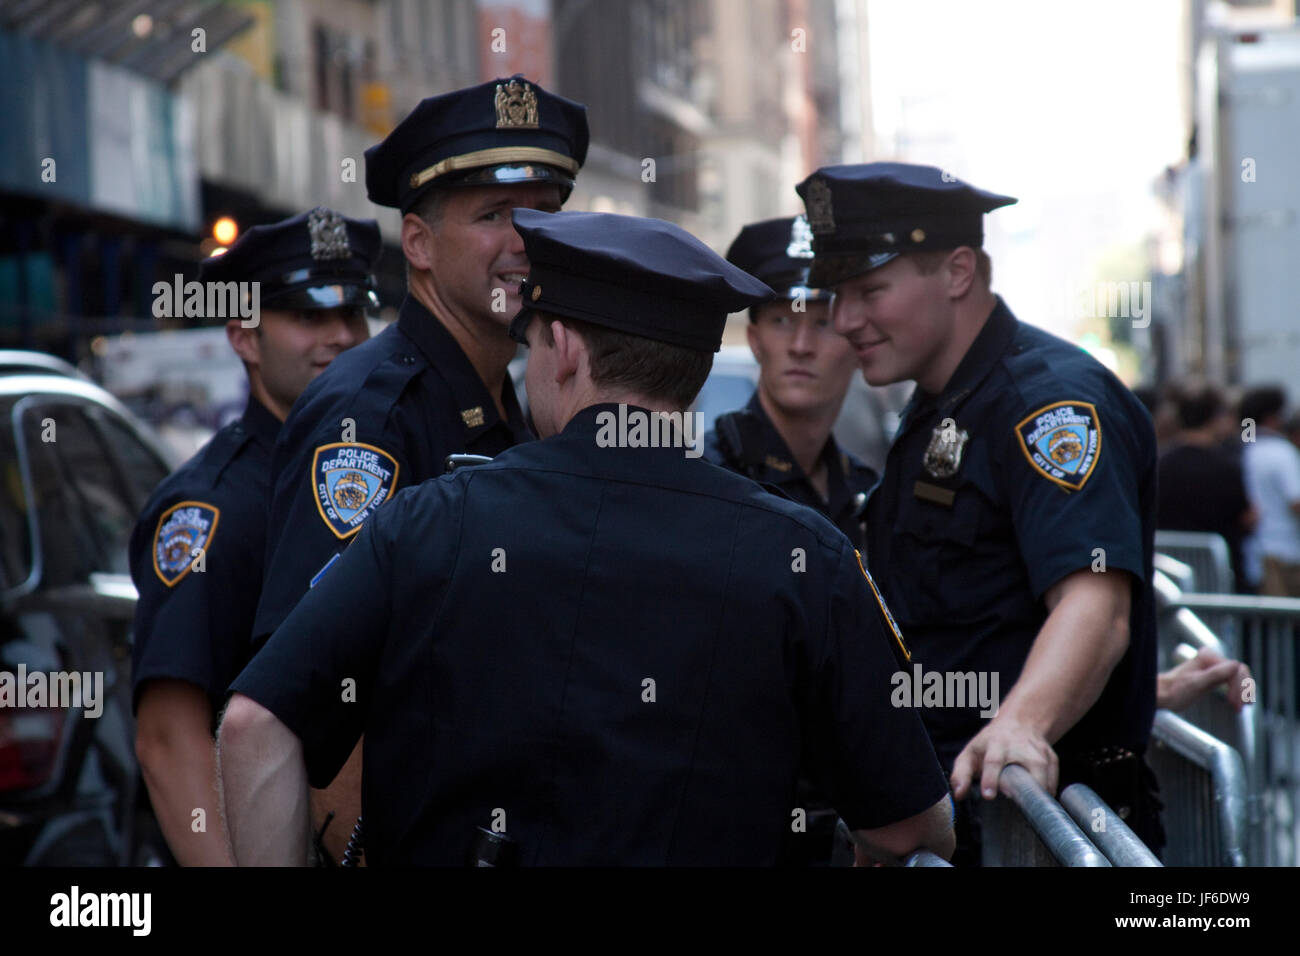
column 1073, row 655
column 929, row 830
column 342, row 798
column 264, row 787
column 181, row 776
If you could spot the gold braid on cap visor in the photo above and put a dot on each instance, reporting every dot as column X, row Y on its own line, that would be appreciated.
column 493, row 157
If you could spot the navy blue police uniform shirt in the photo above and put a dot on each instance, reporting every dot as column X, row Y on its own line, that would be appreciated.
column 747, row 443
column 383, row 415
column 619, row 654
column 194, row 619
column 1057, row 461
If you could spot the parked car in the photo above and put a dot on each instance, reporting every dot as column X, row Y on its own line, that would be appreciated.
column 76, row 468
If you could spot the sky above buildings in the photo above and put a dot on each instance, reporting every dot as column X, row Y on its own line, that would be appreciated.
column 1075, row 108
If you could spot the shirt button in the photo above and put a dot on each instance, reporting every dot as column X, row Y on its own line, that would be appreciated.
column 408, row 359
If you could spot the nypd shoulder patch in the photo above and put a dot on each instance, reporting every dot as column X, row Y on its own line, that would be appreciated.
column 351, row 480
column 1062, row 442
column 884, row 609
column 183, row 529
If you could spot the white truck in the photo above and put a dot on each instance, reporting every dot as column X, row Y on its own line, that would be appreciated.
column 1243, row 221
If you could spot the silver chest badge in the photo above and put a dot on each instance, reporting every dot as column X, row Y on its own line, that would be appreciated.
column 947, row 443
column 329, row 234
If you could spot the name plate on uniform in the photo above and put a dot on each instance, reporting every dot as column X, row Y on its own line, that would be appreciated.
column 929, row 492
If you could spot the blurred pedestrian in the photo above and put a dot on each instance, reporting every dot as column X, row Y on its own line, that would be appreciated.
column 1271, row 466
column 1200, row 486
column 1160, row 401
column 1293, row 429
column 197, row 551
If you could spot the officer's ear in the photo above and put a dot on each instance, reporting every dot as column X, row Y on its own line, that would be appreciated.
column 416, row 244
column 570, row 351
column 959, row 269
column 755, row 345
column 246, row 342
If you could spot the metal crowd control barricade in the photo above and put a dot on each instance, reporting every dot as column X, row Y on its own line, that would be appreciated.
column 1268, row 631
column 1181, row 634
column 1179, row 572
column 1105, row 828
column 1207, row 555
column 1031, row 828
column 1203, row 786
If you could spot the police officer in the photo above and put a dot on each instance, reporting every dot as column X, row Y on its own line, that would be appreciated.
column 783, row 436
column 596, row 648
column 1012, row 529
column 436, row 382
column 197, row 551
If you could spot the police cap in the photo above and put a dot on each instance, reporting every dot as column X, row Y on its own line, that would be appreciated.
column 501, row 132
column 645, row 277
column 864, row 215
column 778, row 251
column 315, row 260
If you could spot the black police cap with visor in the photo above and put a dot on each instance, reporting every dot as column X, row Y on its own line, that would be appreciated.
column 645, row 277
column 865, row 215
column 778, row 252
column 502, row 132
column 316, row 260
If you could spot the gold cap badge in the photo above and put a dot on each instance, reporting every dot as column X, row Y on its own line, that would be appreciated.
column 516, row 105
column 821, row 210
